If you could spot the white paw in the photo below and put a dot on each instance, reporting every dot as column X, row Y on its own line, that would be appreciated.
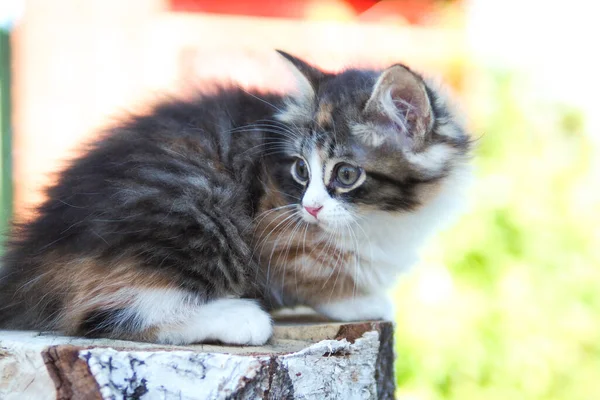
column 230, row 321
column 242, row 321
column 358, row 309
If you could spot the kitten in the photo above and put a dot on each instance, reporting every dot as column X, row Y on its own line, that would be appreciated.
column 186, row 224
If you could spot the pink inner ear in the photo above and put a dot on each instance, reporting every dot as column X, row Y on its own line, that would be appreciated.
column 413, row 107
column 412, row 98
column 400, row 99
column 412, row 104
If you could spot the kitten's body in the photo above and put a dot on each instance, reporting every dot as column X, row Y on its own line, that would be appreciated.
column 169, row 226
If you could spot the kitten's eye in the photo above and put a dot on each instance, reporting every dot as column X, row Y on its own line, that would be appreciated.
column 347, row 174
column 300, row 171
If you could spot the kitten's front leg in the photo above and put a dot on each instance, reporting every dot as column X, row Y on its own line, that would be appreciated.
column 358, row 308
column 172, row 316
column 229, row 321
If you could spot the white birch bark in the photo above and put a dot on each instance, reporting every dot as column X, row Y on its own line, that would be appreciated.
column 302, row 361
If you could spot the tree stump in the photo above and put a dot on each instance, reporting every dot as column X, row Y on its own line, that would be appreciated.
column 307, row 358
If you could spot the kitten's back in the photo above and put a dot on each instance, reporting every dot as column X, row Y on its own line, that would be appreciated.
column 161, row 202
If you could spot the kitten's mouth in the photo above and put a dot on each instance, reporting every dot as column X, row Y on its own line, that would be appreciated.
column 320, row 224
column 316, row 223
column 312, row 221
column 309, row 218
column 324, row 226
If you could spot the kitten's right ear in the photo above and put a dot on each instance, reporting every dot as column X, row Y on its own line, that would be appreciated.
column 307, row 76
column 400, row 97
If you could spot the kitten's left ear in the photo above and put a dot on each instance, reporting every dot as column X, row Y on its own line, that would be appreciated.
column 399, row 97
column 308, row 77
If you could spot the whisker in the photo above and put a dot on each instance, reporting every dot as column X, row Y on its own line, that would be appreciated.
column 263, row 100
column 325, row 249
column 267, row 130
column 287, row 225
column 259, row 217
column 279, row 128
column 270, row 210
column 303, row 254
column 287, row 247
column 339, row 262
column 355, row 276
column 286, row 212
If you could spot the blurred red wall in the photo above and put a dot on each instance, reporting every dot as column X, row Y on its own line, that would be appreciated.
column 78, row 65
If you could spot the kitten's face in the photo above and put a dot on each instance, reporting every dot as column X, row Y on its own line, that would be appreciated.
column 362, row 141
column 328, row 182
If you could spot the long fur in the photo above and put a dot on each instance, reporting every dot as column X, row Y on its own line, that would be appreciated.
column 175, row 225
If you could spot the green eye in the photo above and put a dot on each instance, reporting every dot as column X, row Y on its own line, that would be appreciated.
column 347, row 174
column 300, row 171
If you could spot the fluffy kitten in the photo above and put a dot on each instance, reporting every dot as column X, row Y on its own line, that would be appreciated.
column 185, row 224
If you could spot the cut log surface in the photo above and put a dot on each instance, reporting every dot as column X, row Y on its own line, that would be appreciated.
column 305, row 359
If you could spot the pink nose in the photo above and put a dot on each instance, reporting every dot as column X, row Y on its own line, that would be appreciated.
column 313, row 210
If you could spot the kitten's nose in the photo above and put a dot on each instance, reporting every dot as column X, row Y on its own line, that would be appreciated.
column 313, row 210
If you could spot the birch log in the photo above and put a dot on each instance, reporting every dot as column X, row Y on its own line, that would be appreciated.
column 303, row 360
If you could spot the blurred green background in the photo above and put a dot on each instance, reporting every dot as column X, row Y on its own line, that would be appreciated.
column 506, row 305
column 5, row 132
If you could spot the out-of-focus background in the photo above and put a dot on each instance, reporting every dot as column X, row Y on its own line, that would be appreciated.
column 506, row 304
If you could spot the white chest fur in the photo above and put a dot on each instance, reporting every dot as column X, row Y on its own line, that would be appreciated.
column 388, row 244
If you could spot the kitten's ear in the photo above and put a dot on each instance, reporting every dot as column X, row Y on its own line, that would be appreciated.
column 399, row 97
column 308, row 77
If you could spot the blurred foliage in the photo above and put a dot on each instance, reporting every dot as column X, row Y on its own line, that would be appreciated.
column 507, row 303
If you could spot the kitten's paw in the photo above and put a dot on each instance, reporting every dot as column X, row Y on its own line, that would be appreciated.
column 230, row 321
column 242, row 322
column 358, row 309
